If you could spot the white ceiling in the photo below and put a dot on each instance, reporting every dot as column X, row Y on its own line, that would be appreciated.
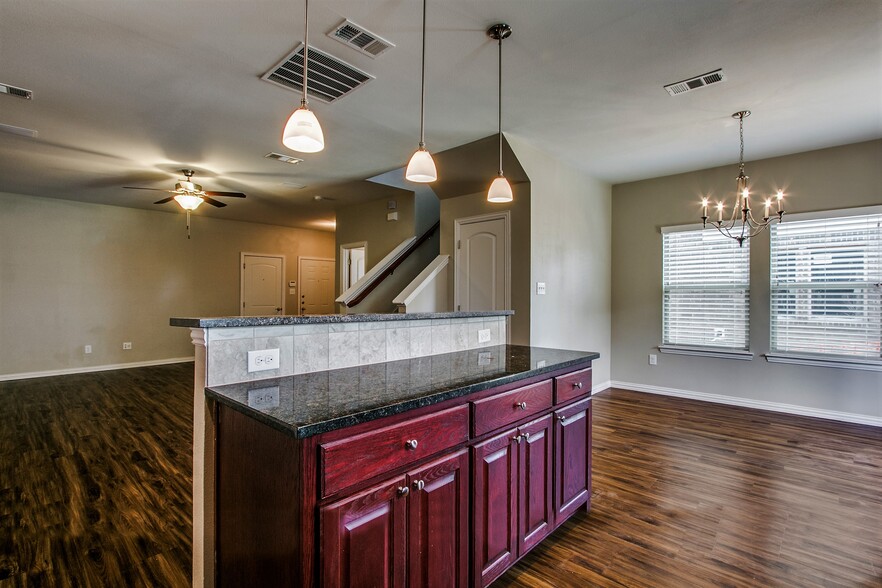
column 128, row 92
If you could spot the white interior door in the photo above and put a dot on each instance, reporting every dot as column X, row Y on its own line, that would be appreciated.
column 352, row 260
column 261, row 284
column 482, row 263
column 316, row 278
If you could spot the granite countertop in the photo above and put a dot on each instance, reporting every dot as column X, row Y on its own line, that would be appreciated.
column 319, row 319
column 308, row 404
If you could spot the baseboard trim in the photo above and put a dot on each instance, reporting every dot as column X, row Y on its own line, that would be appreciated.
column 93, row 368
column 794, row 409
column 600, row 387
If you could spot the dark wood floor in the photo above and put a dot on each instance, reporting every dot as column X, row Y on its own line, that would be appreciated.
column 95, row 474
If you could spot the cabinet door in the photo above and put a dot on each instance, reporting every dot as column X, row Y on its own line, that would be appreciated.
column 536, row 514
column 494, row 504
column 573, row 462
column 363, row 538
column 438, row 523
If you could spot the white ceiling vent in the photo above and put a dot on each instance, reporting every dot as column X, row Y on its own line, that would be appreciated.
column 14, row 91
column 21, row 131
column 283, row 158
column 329, row 78
column 360, row 39
column 695, row 83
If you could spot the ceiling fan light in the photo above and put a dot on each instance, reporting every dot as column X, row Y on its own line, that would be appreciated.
column 500, row 190
column 303, row 132
column 188, row 201
column 421, row 167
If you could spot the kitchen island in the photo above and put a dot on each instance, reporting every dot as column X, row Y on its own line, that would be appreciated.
column 446, row 465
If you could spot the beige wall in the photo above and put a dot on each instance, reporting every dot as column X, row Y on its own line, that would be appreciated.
column 571, row 252
column 73, row 274
column 838, row 177
column 476, row 204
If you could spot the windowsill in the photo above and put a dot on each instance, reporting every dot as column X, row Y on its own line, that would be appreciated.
column 830, row 361
column 718, row 352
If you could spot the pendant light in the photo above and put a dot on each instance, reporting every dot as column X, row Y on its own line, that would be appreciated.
column 500, row 189
column 303, row 132
column 421, row 167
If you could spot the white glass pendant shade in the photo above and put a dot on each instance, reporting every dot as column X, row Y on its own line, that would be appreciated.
column 303, row 132
column 500, row 190
column 188, row 201
column 421, row 167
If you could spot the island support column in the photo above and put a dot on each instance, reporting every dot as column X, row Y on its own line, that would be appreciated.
column 203, row 469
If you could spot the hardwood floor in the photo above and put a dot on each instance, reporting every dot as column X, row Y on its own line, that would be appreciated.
column 96, row 479
column 95, row 475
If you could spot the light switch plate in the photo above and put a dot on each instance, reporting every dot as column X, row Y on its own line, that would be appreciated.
column 263, row 359
column 540, row 288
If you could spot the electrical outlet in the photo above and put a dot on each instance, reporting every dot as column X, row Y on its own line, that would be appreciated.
column 127, row 345
column 483, row 335
column 540, row 288
column 262, row 398
column 263, row 359
column 653, row 359
column 87, row 349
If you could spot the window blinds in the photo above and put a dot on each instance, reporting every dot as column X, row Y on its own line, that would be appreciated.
column 826, row 285
column 706, row 282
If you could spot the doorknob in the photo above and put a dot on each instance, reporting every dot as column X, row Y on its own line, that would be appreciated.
column 278, row 309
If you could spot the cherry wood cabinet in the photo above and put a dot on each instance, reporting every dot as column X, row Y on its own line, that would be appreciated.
column 445, row 495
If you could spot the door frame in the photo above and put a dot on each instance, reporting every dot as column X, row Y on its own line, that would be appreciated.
column 457, row 224
column 242, row 255
column 343, row 267
column 299, row 281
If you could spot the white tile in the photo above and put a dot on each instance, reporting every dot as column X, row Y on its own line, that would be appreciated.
column 420, row 341
column 276, row 331
column 493, row 327
column 343, row 349
column 228, row 362
column 342, row 327
column 397, row 343
column 441, row 337
column 373, row 346
column 459, row 335
column 372, row 325
column 310, row 352
column 310, row 329
column 227, row 333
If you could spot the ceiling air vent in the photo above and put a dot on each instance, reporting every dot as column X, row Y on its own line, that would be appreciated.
column 283, row 158
column 21, row 131
column 18, row 92
column 358, row 38
column 695, row 83
column 329, row 78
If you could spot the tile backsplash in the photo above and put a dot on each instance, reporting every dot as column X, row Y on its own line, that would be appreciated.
column 319, row 347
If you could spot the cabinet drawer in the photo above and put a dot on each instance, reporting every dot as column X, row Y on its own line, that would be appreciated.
column 572, row 385
column 506, row 408
column 348, row 461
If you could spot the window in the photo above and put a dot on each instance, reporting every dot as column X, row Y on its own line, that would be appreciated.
column 826, row 284
column 706, row 282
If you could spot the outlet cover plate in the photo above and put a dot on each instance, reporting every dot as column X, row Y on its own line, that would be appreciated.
column 262, row 398
column 540, row 288
column 483, row 335
column 263, row 359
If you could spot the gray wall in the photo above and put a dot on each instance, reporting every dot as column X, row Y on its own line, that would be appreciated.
column 839, row 177
column 570, row 252
column 73, row 274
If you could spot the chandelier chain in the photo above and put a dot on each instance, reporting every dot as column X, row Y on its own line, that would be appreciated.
column 741, row 136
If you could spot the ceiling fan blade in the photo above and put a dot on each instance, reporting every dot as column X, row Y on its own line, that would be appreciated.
column 142, row 188
column 213, row 202
column 164, row 200
column 226, row 194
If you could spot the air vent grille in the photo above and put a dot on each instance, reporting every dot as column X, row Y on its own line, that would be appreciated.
column 21, row 131
column 15, row 91
column 283, row 158
column 360, row 39
column 696, row 82
column 329, row 78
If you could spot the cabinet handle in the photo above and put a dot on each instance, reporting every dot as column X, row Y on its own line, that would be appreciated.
column 562, row 418
column 403, row 491
column 419, row 485
column 577, row 385
column 526, row 436
column 411, row 444
column 521, row 405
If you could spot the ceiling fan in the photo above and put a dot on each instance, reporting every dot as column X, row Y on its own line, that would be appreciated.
column 189, row 195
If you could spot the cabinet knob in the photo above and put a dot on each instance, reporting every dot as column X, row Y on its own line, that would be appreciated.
column 516, row 438
column 526, row 436
column 521, row 405
column 562, row 418
column 577, row 385
column 411, row 444
column 403, row 491
column 419, row 485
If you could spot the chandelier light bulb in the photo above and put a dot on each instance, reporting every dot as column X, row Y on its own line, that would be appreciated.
column 303, row 132
column 421, row 167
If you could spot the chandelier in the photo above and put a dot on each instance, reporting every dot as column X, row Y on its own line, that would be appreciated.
column 743, row 225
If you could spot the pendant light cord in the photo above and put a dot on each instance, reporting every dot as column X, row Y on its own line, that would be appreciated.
column 304, row 101
column 500, row 104
column 423, row 85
